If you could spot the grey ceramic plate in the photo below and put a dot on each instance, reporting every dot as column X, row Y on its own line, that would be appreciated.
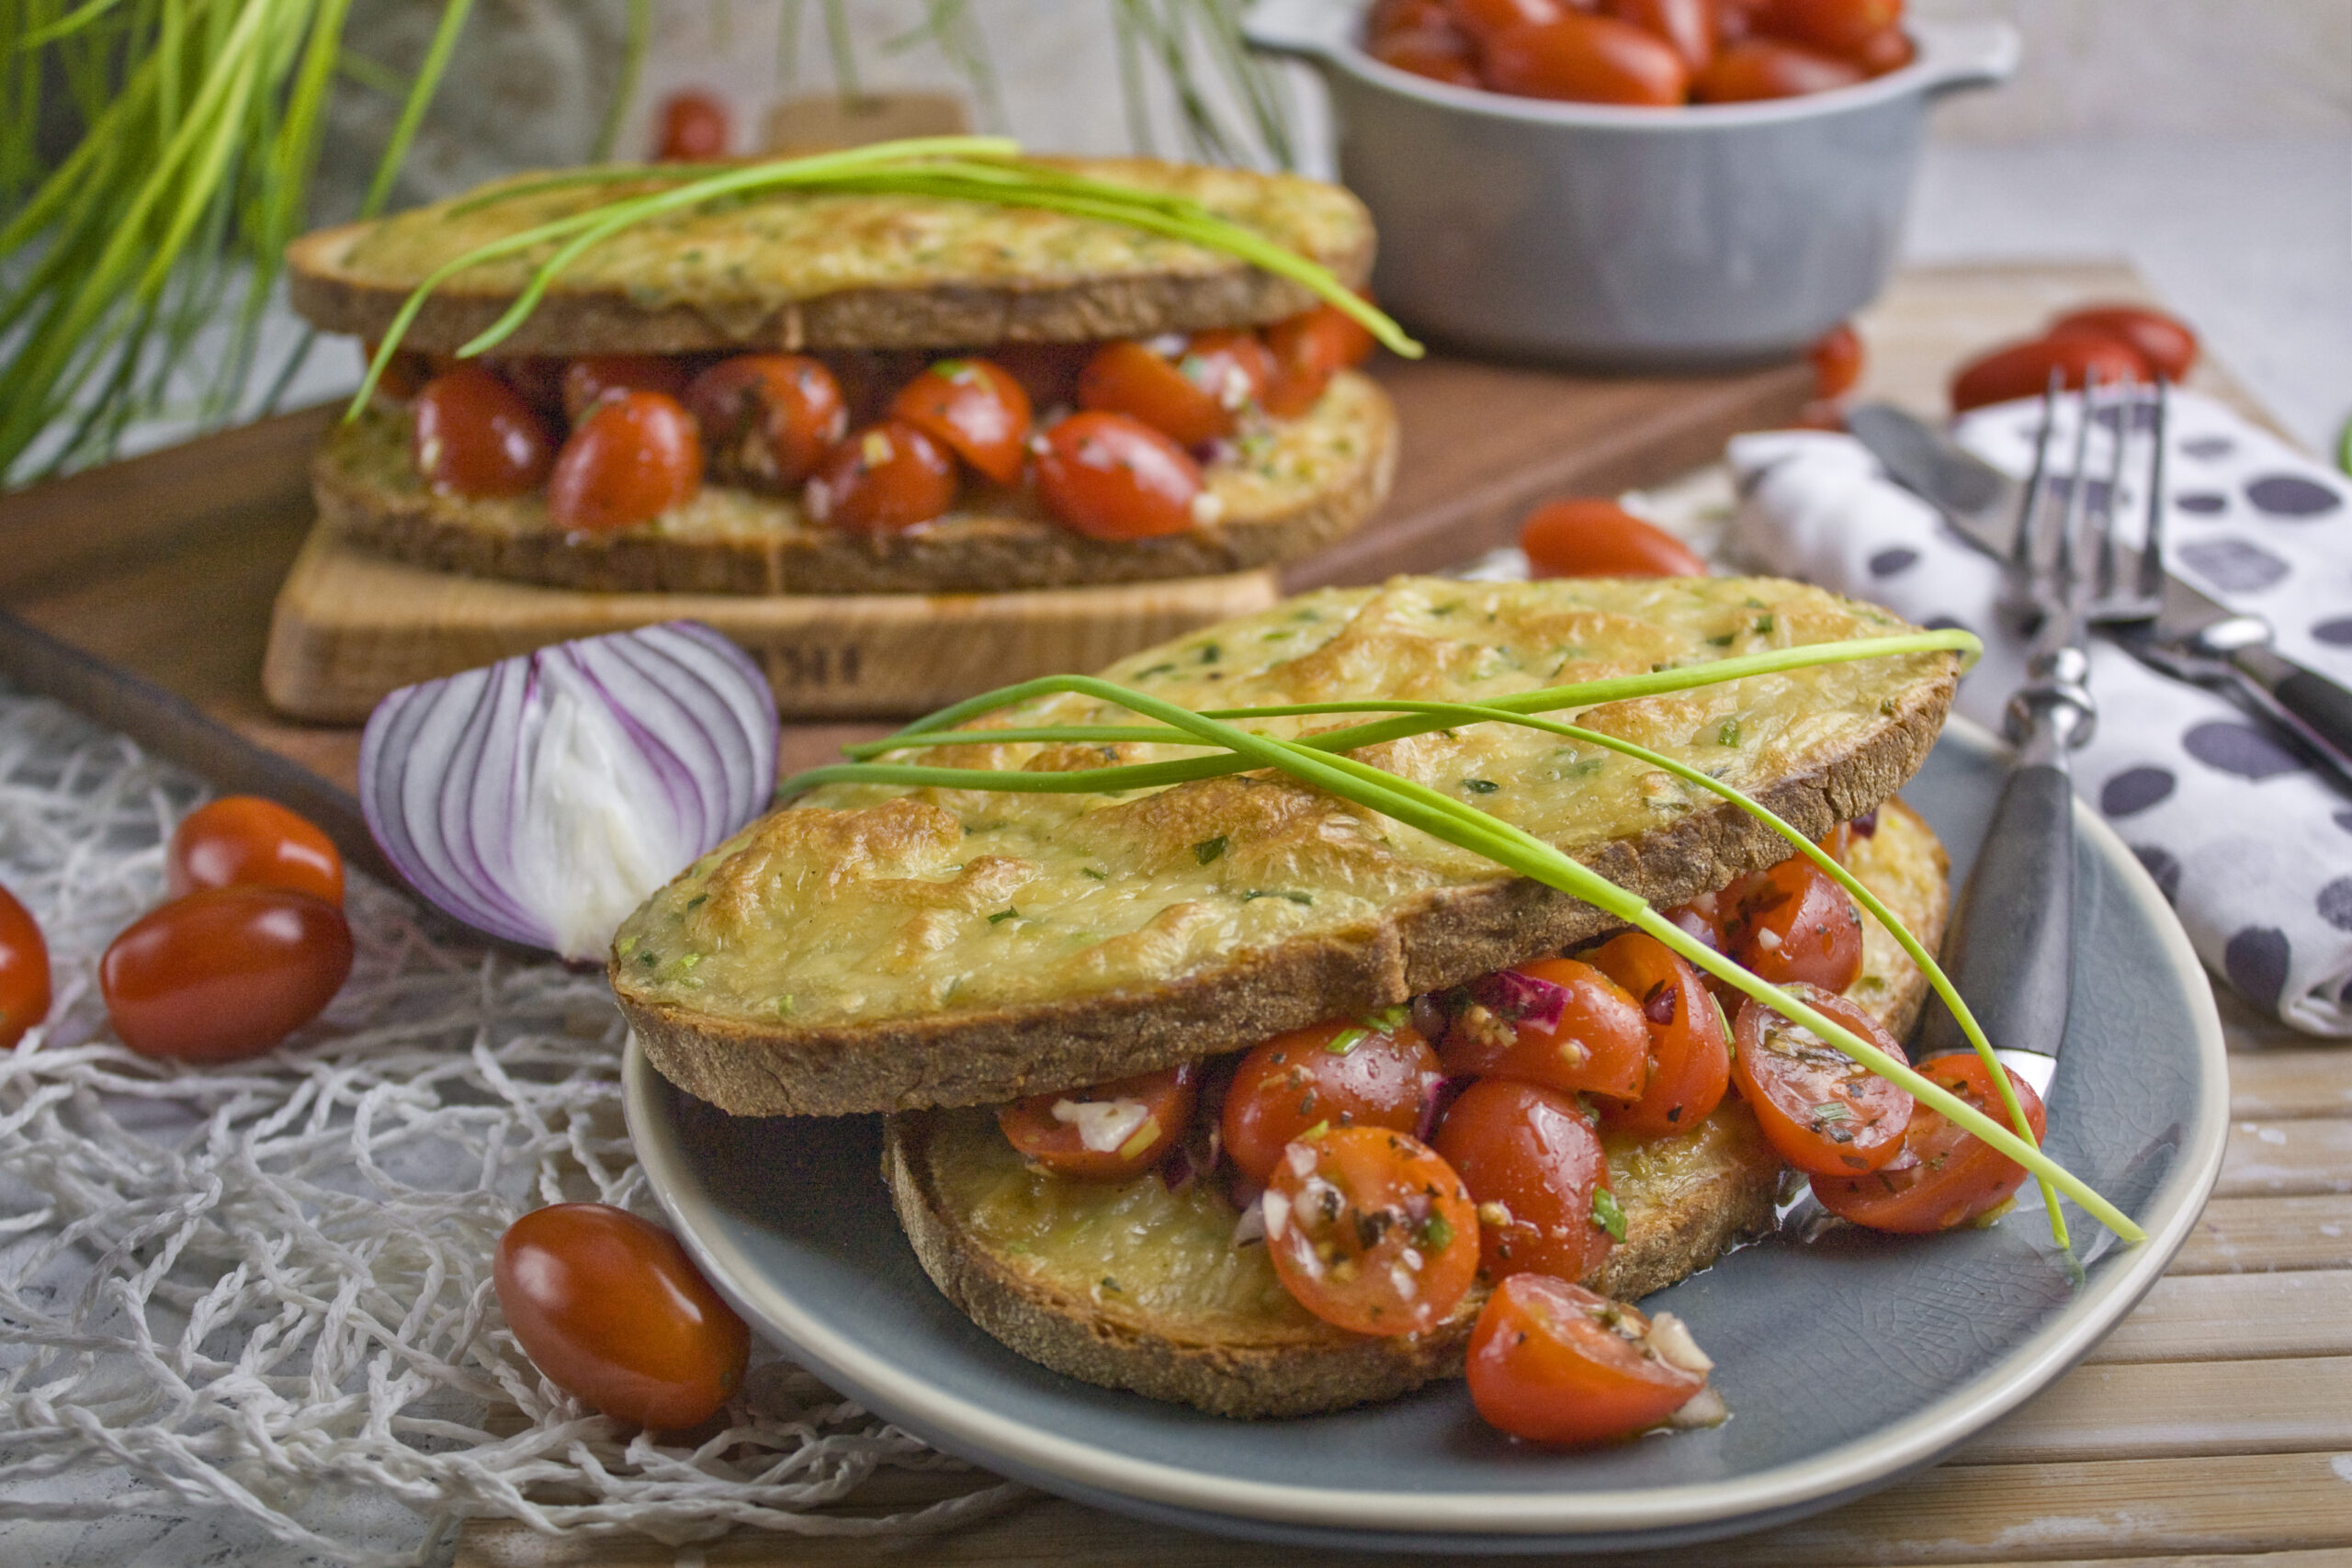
column 1847, row 1360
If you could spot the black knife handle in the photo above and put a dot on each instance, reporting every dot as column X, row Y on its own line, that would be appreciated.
column 2316, row 705
column 2010, row 950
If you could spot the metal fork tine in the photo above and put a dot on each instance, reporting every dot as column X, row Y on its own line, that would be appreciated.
column 2022, row 564
column 2102, row 513
column 2152, row 540
column 2066, row 585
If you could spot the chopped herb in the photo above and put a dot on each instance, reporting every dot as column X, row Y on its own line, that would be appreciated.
column 649, row 958
column 1833, row 1110
column 697, row 901
column 1724, row 641
column 625, row 946
column 687, row 961
column 1348, row 1039
column 1155, row 670
column 1211, row 653
column 1754, row 603
column 783, row 1005
column 1763, row 624
column 1436, row 1233
column 1278, row 635
column 1388, row 1018
column 1727, row 733
column 1480, row 787
column 1606, row 1214
column 1315, row 1133
column 1208, row 850
column 1113, row 1286
column 1097, row 875
column 1004, row 915
column 1277, row 893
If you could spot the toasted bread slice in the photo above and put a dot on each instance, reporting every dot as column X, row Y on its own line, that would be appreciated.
column 875, row 948
column 1306, row 483
column 1132, row 1286
column 795, row 271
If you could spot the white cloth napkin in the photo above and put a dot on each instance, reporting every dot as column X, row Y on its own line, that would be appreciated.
column 2252, row 845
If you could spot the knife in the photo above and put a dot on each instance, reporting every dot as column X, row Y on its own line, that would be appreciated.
column 2194, row 636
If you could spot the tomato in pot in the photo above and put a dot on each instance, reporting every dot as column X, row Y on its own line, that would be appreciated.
column 1110, row 477
column 1194, row 393
column 1374, row 1073
column 881, row 478
column 1821, row 1111
column 634, row 456
column 1583, row 58
column 24, row 970
column 2024, row 369
column 1890, row 48
column 1371, row 1231
column 1836, row 362
column 1441, row 54
column 1943, row 1176
column 242, row 840
column 1760, row 68
column 1309, row 349
column 976, row 408
column 1483, row 19
column 1599, row 1043
column 1594, row 536
column 1687, row 24
column 1690, row 1049
column 224, row 973
column 592, row 380
column 1533, row 1165
column 1794, row 923
column 766, row 419
column 1553, row 1362
column 694, row 128
column 470, row 434
column 611, row 1310
column 1108, row 1133
column 1403, row 16
column 2164, row 342
column 1835, row 27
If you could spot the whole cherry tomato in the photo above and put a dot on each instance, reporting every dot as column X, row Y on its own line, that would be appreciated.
column 24, row 970
column 589, row 382
column 1768, row 68
column 1889, row 49
column 2023, row 370
column 1308, row 350
column 1591, row 60
column 224, row 973
column 1600, row 1044
column 1110, row 477
column 1794, row 923
column 632, row 458
column 1553, row 1362
column 2165, row 341
column 1734, row 20
column 1594, row 536
column 976, row 408
column 1110, row 1132
column 1441, row 54
column 1533, row 1163
column 1821, row 1111
column 881, row 478
column 1689, row 1066
column 1371, row 1231
column 694, row 128
column 1336, row 1074
column 1195, row 396
column 612, row 1311
column 1687, row 24
column 767, row 419
column 1835, row 27
column 1483, row 19
column 1404, row 16
column 473, row 434
column 1836, row 361
column 242, row 840
column 1943, row 1176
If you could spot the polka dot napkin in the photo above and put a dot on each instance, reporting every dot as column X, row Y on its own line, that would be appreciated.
column 2252, row 845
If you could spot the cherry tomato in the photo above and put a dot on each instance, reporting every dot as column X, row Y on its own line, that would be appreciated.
column 976, row 408
column 24, row 970
column 633, row 457
column 242, row 840
column 1689, row 1050
column 2023, row 370
column 1441, row 54
column 404, row 375
column 1553, row 1362
column 1767, row 68
column 1405, row 15
column 1192, row 397
column 473, row 434
column 694, row 128
column 1110, row 477
column 612, row 1311
column 2165, row 341
column 1687, row 24
column 1590, row 60
column 1336, row 1074
column 1889, row 49
column 224, row 973
column 1836, row 361
column 1483, row 19
column 1371, row 1231
column 767, row 419
column 1309, row 349
column 885, row 476
column 1110, row 1132
column 1835, row 27
column 1943, row 1176
column 1600, row 1044
column 1734, row 20
column 587, row 382
column 1531, row 1162
column 1792, row 923
column 1593, row 536
column 1821, row 1111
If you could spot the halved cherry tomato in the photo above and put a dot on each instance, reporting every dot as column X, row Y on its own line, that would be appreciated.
column 767, row 419
column 24, row 970
column 1192, row 394
column 1309, row 349
column 2165, row 341
column 976, row 408
column 1340, row 1073
column 612, row 1311
column 694, row 128
column 1689, row 1066
column 1687, row 24
column 1943, row 1176
column 473, row 434
column 1594, row 536
column 1483, row 19
column 881, row 478
column 1553, row 1362
column 2023, row 370
column 589, row 382
column 1110, row 477
column 1441, row 54
column 1590, row 60
column 1821, row 1111
column 1836, row 361
column 1889, row 49
column 224, row 973
column 1600, row 1044
column 1107, row 1132
column 1760, row 68
column 635, row 456
column 242, row 840
column 1838, row 26
column 1371, row 1231
column 1792, row 923
column 1533, row 1163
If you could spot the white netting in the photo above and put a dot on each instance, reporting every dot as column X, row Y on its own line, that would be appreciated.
column 242, row 1288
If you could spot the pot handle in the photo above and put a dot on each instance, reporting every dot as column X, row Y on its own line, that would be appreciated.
column 1310, row 29
column 1955, row 56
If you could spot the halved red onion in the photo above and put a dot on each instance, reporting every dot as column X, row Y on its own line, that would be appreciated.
column 542, row 798
column 1517, row 997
